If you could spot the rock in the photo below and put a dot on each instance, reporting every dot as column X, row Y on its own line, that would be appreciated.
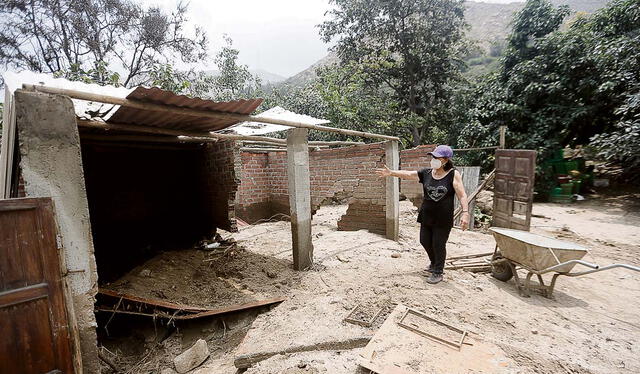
column 270, row 273
column 167, row 371
column 192, row 357
column 395, row 255
column 534, row 332
column 302, row 365
column 145, row 273
column 484, row 201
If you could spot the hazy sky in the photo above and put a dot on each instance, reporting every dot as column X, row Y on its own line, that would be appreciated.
column 279, row 36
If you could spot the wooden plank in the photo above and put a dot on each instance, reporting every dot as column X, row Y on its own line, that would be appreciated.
column 23, row 295
column 503, row 135
column 392, row 192
column 488, row 180
column 299, row 197
column 317, row 143
column 8, row 144
column 162, row 131
column 195, row 112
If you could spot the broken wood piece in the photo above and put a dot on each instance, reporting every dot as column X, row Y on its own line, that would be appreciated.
column 349, row 318
column 475, row 193
column 160, row 303
column 206, row 313
column 415, row 329
column 470, row 256
column 164, row 309
column 394, row 349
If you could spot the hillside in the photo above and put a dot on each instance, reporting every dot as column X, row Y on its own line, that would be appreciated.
column 487, row 22
column 265, row 76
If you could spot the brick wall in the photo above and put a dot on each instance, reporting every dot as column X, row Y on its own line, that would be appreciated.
column 253, row 191
column 414, row 159
column 222, row 167
column 341, row 173
column 336, row 174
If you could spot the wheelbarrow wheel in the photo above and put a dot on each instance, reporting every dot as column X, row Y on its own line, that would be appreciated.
column 502, row 270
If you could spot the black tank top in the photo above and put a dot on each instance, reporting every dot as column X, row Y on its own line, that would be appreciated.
column 437, row 205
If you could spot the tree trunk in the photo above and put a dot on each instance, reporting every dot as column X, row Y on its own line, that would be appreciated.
column 416, row 136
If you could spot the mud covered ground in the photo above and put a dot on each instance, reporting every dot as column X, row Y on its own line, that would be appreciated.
column 591, row 326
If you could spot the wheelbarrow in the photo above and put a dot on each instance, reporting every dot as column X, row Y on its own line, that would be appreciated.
column 538, row 255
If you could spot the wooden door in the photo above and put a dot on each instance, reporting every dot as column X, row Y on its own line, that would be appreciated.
column 35, row 336
column 513, row 188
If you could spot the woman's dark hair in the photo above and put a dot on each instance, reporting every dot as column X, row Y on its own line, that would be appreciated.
column 448, row 166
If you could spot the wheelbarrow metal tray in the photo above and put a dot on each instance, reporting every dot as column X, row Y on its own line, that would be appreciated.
column 536, row 252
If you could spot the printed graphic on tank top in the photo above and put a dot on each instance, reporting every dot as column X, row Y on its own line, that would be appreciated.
column 437, row 205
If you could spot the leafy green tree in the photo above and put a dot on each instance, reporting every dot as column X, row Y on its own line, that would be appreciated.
column 192, row 83
column 408, row 51
column 74, row 37
column 565, row 87
column 99, row 74
column 234, row 80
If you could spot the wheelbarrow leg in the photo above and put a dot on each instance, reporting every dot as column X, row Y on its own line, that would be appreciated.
column 527, row 284
column 544, row 288
column 553, row 283
column 516, row 279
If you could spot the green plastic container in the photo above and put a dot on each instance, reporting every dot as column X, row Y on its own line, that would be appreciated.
column 571, row 165
column 560, row 167
column 556, row 191
column 577, row 186
column 563, row 199
column 567, row 188
column 558, row 154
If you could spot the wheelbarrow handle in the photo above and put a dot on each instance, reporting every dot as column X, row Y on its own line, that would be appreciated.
column 612, row 266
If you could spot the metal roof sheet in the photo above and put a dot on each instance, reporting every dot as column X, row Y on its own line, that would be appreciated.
column 259, row 128
column 84, row 109
column 176, row 121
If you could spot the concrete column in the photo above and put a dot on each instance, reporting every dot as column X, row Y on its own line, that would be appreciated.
column 51, row 165
column 299, row 197
column 392, row 207
column 503, row 134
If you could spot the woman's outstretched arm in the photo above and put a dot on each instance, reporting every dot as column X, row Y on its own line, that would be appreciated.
column 411, row 175
column 458, row 186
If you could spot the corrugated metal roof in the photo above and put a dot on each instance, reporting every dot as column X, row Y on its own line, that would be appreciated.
column 84, row 109
column 259, row 128
column 156, row 95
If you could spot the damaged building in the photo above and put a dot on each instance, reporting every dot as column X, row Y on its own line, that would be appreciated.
column 129, row 179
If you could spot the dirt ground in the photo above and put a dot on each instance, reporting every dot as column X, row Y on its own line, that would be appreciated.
column 591, row 326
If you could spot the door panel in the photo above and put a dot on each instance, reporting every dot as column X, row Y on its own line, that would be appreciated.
column 513, row 188
column 33, row 319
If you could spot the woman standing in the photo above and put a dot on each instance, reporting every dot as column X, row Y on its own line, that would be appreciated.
column 439, row 182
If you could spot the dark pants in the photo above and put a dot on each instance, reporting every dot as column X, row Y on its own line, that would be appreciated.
column 434, row 240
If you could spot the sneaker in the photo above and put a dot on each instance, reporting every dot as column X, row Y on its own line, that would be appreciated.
column 434, row 278
column 430, row 269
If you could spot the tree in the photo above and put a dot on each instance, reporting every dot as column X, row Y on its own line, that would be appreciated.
column 234, row 80
column 565, row 87
column 192, row 83
column 410, row 49
column 71, row 36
